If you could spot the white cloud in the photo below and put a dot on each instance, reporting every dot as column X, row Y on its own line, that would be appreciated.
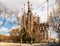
column 18, row 4
column 53, row 33
column 7, row 34
column 14, row 27
column 1, row 23
column 42, row 15
column 4, row 30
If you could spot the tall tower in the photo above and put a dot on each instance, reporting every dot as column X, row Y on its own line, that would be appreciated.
column 38, row 19
column 24, row 18
column 29, row 18
column 29, row 6
column 38, row 23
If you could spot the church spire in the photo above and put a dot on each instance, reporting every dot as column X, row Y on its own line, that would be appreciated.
column 24, row 18
column 29, row 6
column 24, row 8
column 38, row 19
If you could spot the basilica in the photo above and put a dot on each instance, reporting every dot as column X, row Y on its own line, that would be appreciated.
column 31, row 24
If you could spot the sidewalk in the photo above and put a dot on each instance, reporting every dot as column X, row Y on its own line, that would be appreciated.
column 18, row 44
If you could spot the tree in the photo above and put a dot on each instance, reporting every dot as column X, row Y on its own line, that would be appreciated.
column 15, row 33
column 6, row 13
column 55, row 18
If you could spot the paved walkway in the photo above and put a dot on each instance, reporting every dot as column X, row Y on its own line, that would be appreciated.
column 17, row 44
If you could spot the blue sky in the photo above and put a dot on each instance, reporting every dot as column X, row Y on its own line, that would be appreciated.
column 41, row 10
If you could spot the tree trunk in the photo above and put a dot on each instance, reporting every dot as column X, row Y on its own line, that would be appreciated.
column 59, row 37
